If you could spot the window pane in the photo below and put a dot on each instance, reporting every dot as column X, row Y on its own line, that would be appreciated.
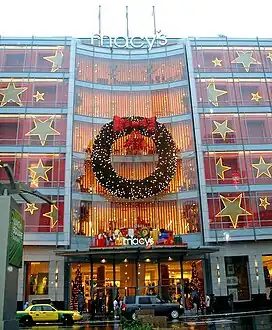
column 37, row 278
column 144, row 300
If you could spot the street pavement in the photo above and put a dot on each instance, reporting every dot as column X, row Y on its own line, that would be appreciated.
column 248, row 322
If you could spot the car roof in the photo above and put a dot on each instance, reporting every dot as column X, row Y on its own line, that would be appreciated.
column 41, row 305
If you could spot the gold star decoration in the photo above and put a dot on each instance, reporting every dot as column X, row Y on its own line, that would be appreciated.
column 221, row 169
column 262, row 168
column 232, row 209
column 246, row 59
column 43, row 129
column 39, row 171
column 264, row 202
column 52, row 215
column 217, row 62
column 222, row 129
column 255, row 97
column 31, row 208
column 56, row 60
column 11, row 94
column 214, row 93
column 38, row 96
column 269, row 56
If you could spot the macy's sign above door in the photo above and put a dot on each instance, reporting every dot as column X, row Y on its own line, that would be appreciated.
column 158, row 39
column 147, row 241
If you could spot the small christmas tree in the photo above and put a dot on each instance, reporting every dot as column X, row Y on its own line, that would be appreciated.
column 198, row 284
column 76, row 289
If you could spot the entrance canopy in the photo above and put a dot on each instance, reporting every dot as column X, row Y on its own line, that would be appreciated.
column 162, row 252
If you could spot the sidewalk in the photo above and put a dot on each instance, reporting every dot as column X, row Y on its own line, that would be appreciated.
column 186, row 317
column 189, row 314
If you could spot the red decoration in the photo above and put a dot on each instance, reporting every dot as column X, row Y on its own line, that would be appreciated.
column 135, row 143
column 119, row 124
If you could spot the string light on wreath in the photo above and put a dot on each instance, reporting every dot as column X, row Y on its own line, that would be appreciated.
column 122, row 187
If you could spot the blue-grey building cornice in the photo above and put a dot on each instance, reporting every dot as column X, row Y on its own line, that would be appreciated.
column 35, row 111
column 240, row 234
column 30, row 41
column 169, row 197
column 137, row 159
column 224, row 41
column 129, row 55
column 163, row 120
column 33, row 150
column 35, row 75
column 220, row 188
column 232, row 147
column 209, row 109
column 233, row 75
column 132, row 88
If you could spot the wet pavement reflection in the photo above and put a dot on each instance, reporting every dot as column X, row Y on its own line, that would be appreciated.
column 259, row 322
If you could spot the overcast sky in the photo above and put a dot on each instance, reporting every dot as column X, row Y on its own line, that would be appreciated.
column 176, row 18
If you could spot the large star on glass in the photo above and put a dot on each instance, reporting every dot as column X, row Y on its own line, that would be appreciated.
column 262, row 168
column 43, row 129
column 11, row 94
column 246, row 59
column 222, row 129
column 232, row 209
column 264, row 202
column 221, row 169
column 56, row 60
column 52, row 215
column 39, row 171
column 214, row 93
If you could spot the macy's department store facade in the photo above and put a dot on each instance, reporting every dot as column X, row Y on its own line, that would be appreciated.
column 158, row 160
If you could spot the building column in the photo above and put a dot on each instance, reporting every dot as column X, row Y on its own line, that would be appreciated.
column 218, row 274
column 256, row 274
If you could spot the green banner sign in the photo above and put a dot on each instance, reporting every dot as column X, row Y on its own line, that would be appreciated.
column 16, row 238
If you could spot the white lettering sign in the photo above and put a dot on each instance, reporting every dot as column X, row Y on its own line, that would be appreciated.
column 138, row 241
column 126, row 42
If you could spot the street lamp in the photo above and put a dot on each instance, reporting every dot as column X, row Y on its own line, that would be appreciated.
column 12, row 193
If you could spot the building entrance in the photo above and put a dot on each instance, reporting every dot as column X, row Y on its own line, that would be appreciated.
column 101, row 282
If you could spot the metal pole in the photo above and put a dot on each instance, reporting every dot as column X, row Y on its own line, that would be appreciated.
column 99, row 20
column 127, row 21
column 154, row 20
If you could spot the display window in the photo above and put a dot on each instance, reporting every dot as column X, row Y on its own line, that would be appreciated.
column 106, row 104
column 232, row 59
column 37, row 279
column 237, row 277
column 130, row 72
column 34, row 58
column 232, row 92
column 242, row 167
column 39, row 170
column 267, row 270
column 179, row 217
column 34, row 93
column 33, row 130
column 240, row 210
column 238, row 128
column 42, row 217
column 85, row 133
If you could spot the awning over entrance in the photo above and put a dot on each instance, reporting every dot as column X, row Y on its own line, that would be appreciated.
column 162, row 252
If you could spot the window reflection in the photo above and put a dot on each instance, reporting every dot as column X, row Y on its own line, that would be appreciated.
column 37, row 278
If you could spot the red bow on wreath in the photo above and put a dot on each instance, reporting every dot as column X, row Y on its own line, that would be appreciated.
column 119, row 124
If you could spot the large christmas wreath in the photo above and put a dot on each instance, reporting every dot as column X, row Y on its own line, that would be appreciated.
column 119, row 186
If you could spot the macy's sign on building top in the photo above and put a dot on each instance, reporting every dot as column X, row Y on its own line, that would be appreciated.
column 158, row 39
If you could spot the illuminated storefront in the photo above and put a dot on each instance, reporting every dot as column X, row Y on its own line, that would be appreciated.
column 196, row 112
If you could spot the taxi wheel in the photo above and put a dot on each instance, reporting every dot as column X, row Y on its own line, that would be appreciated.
column 27, row 321
column 67, row 320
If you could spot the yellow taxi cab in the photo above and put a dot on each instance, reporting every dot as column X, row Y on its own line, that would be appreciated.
column 40, row 313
